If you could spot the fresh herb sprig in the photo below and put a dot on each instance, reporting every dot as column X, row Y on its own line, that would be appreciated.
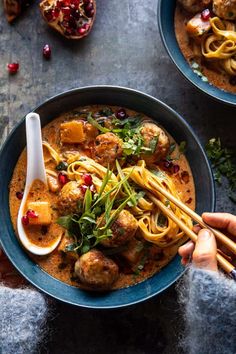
column 82, row 226
column 223, row 164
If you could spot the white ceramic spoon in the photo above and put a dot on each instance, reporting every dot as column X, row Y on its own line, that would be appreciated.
column 35, row 170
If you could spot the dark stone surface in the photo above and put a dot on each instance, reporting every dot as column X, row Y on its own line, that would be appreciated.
column 124, row 49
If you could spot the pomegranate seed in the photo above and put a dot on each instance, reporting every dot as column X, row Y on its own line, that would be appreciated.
column 25, row 220
column 19, row 195
column 86, row 2
column 86, row 26
column 63, row 179
column 31, row 214
column 83, row 188
column 59, row 4
column 81, row 31
column 205, row 15
column 87, row 179
column 48, row 14
column 75, row 3
column 88, row 7
column 55, row 13
column 76, row 14
column 65, row 10
column 121, row 114
column 13, row 68
column 47, row 51
column 90, row 13
column 176, row 168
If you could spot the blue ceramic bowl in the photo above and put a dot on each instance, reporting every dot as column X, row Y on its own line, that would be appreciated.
column 166, row 11
column 50, row 109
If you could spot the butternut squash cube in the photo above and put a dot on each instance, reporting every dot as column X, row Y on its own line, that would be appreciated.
column 72, row 132
column 43, row 210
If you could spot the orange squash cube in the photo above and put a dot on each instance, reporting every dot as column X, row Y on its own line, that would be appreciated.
column 72, row 132
column 42, row 210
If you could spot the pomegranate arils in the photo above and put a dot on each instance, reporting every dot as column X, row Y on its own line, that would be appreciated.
column 13, row 68
column 83, row 188
column 25, row 220
column 89, row 7
column 205, row 15
column 48, row 15
column 31, row 214
column 87, row 179
column 19, row 195
column 55, row 13
column 121, row 114
column 47, row 51
column 62, row 178
column 81, row 31
column 76, row 14
column 168, row 164
column 65, row 10
column 93, row 188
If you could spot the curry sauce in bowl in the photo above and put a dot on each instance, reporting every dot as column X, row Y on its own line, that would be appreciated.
column 113, row 238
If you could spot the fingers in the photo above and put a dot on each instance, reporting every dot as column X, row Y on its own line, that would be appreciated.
column 221, row 220
column 204, row 255
column 186, row 252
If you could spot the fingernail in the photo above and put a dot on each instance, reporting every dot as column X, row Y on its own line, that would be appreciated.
column 204, row 235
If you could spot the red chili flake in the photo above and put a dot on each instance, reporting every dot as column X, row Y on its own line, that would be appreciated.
column 87, row 179
column 13, row 68
column 31, row 214
column 19, row 195
column 25, row 220
column 189, row 201
column 185, row 176
column 62, row 178
column 205, row 15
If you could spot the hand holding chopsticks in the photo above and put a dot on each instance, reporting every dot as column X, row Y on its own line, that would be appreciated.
column 226, row 241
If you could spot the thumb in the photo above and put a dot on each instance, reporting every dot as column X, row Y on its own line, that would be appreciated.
column 204, row 255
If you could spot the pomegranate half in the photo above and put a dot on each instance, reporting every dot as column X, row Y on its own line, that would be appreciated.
column 72, row 18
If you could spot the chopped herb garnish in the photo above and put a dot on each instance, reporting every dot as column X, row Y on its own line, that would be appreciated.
column 62, row 166
column 93, row 121
column 223, row 164
column 182, row 147
column 106, row 111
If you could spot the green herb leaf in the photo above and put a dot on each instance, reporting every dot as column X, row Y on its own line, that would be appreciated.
column 93, row 121
column 182, row 147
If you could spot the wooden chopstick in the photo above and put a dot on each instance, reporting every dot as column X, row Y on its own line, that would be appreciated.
column 224, row 263
column 220, row 236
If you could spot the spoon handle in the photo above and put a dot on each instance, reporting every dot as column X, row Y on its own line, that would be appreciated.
column 35, row 161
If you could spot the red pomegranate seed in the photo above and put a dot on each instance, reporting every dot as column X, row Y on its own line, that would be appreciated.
column 86, row 2
column 31, row 214
column 65, row 10
column 168, row 164
column 176, row 168
column 55, row 13
column 48, row 15
column 86, row 26
column 13, row 68
column 47, row 51
column 121, row 114
column 87, row 179
column 81, row 31
column 63, row 179
column 205, row 15
column 90, row 13
column 25, row 220
column 83, row 188
column 19, row 195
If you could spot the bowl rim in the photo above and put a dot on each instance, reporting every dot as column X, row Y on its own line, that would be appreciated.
column 174, row 113
column 228, row 98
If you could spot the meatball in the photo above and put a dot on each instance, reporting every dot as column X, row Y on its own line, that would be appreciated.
column 69, row 197
column 225, row 9
column 152, row 133
column 108, row 148
column 195, row 6
column 123, row 229
column 96, row 270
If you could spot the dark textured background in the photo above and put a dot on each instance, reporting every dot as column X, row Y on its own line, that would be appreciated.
column 124, row 49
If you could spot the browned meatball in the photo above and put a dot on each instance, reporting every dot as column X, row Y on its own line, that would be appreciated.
column 108, row 148
column 96, row 270
column 123, row 229
column 225, row 9
column 152, row 133
column 69, row 197
column 195, row 6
